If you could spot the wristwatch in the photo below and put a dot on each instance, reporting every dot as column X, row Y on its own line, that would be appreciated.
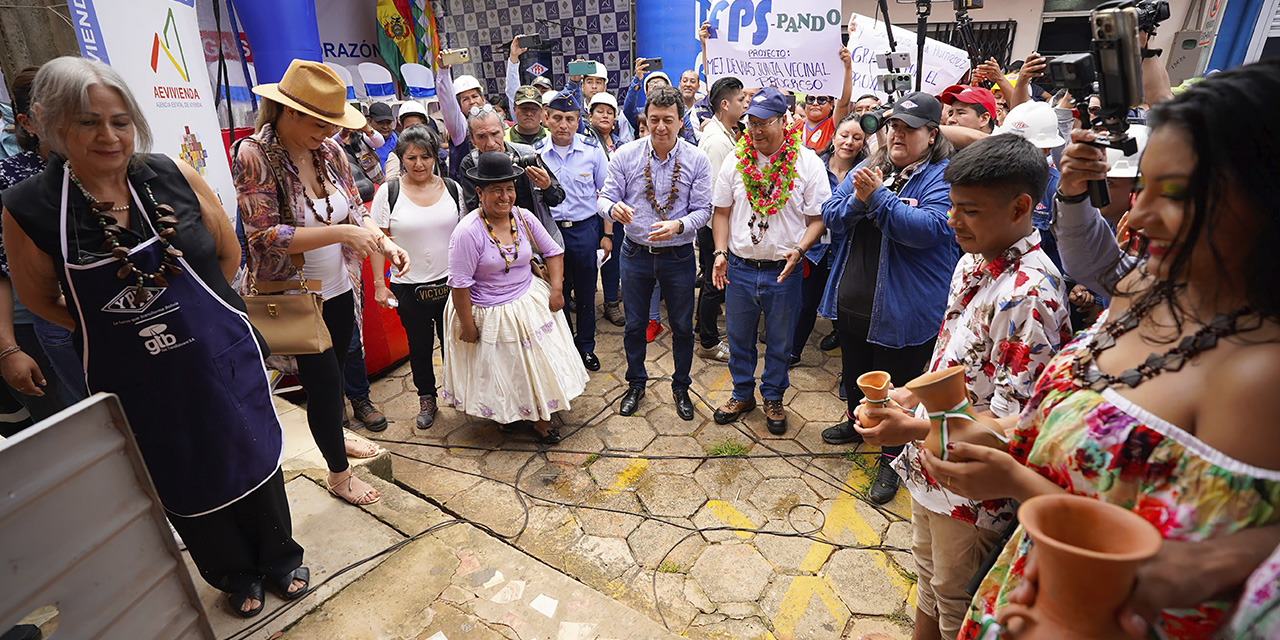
column 681, row 223
column 1060, row 197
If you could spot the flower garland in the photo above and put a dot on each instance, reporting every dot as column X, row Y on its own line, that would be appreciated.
column 768, row 190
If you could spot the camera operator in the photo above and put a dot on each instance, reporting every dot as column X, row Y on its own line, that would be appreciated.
column 537, row 189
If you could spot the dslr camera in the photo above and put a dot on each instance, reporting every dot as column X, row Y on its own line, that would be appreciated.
column 1112, row 70
column 1151, row 13
column 524, row 160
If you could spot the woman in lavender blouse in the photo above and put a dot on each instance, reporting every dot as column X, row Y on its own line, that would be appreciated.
column 509, row 356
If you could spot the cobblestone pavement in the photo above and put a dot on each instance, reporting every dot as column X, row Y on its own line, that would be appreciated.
column 668, row 516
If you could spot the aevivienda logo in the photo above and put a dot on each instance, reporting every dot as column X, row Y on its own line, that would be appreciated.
column 171, row 41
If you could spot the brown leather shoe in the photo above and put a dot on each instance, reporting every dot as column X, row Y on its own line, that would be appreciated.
column 369, row 415
column 775, row 417
column 732, row 409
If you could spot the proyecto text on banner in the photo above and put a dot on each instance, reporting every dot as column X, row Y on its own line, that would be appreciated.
column 944, row 64
column 155, row 46
column 796, row 47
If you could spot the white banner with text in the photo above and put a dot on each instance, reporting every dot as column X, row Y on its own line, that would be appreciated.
column 944, row 64
column 796, row 49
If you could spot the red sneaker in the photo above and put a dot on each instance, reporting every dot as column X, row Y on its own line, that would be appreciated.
column 655, row 329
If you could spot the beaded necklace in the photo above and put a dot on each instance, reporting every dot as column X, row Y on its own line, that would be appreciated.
column 508, row 259
column 319, row 166
column 166, row 224
column 662, row 210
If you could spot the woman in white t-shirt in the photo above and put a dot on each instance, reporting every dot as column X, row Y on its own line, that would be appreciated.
column 419, row 210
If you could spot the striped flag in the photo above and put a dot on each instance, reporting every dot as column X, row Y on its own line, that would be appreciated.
column 396, row 38
column 428, row 36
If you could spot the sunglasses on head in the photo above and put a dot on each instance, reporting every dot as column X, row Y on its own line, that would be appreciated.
column 484, row 108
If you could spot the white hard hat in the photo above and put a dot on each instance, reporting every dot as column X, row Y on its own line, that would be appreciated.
column 548, row 96
column 1122, row 166
column 411, row 108
column 657, row 74
column 600, row 72
column 465, row 83
column 1035, row 121
column 603, row 97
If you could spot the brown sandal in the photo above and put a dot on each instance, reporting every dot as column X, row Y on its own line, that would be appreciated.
column 371, row 451
column 362, row 500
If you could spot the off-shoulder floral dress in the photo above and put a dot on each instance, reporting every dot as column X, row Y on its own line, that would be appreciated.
column 1102, row 445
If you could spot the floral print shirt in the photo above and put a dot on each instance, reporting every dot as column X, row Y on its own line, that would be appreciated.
column 1005, row 319
column 267, row 237
column 13, row 170
column 1102, row 445
column 1257, row 614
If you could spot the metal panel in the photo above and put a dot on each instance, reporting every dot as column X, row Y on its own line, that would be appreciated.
column 83, row 529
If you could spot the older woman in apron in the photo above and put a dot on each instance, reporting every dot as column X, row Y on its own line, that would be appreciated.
column 133, row 252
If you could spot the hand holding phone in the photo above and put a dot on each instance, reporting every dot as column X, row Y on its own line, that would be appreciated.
column 653, row 64
column 450, row 57
column 530, row 40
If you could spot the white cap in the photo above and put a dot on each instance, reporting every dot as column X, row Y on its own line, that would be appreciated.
column 600, row 72
column 657, row 74
column 603, row 97
column 1123, row 166
column 412, row 108
column 465, row 83
column 548, row 96
column 1035, row 121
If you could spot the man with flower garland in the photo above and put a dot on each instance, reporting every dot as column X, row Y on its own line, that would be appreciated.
column 768, row 213
column 659, row 188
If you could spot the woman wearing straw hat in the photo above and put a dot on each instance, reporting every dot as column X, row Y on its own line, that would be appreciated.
column 509, row 356
column 293, row 153
column 144, row 251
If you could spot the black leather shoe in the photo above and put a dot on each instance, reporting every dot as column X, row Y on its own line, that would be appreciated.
column 684, row 406
column 843, row 433
column 631, row 401
column 830, row 342
column 885, row 486
column 590, row 361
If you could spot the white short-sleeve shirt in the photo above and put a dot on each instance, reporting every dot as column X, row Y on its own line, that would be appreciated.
column 786, row 228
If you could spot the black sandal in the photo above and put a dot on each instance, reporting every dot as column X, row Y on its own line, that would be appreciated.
column 282, row 584
column 237, row 600
column 550, row 437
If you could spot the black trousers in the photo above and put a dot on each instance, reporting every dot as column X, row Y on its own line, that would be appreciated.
column 810, row 296
column 710, row 299
column 423, row 322
column 858, row 356
column 249, row 540
column 322, row 378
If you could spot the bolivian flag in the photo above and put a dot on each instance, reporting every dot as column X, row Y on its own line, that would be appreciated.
column 396, row 38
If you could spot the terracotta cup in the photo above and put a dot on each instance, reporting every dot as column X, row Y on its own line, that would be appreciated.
column 1088, row 553
column 944, row 390
column 875, row 386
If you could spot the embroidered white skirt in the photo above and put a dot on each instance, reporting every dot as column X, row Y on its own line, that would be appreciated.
column 525, row 366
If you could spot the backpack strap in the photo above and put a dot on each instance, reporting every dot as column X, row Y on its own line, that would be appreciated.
column 455, row 193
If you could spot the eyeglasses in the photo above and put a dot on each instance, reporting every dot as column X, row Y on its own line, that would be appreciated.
column 760, row 124
column 818, row 100
column 484, row 108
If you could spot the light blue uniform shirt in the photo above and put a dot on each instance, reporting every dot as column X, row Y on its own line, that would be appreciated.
column 626, row 184
column 581, row 172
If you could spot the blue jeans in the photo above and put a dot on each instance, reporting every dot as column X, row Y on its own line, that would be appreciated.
column 355, row 380
column 58, row 346
column 675, row 273
column 750, row 292
column 580, row 244
column 609, row 271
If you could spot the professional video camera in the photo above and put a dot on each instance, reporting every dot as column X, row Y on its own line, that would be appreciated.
column 1151, row 13
column 1113, row 71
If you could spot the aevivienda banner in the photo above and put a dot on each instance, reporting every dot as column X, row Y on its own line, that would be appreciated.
column 792, row 45
column 155, row 46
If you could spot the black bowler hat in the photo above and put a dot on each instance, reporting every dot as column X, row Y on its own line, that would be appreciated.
column 494, row 167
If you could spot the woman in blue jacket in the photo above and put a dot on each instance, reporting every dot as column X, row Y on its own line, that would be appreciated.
column 895, row 262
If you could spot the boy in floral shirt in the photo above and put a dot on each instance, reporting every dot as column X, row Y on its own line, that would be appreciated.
column 1005, row 318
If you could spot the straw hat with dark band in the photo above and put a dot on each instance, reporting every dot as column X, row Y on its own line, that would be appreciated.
column 314, row 89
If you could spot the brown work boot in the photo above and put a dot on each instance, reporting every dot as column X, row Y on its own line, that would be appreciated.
column 775, row 417
column 368, row 415
column 613, row 313
column 732, row 409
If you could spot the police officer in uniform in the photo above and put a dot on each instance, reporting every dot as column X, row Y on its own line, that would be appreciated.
column 580, row 165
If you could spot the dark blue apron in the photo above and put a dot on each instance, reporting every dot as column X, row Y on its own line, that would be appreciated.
column 188, row 371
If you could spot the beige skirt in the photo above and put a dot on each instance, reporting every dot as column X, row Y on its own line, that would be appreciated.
column 525, row 366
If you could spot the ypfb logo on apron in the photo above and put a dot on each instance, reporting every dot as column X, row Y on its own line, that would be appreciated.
column 157, row 340
column 126, row 302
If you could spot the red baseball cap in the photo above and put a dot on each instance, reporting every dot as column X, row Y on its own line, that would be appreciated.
column 970, row 95
column 951, row 90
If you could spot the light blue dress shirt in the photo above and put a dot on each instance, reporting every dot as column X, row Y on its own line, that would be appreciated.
column 581, row 173
column 626, row 184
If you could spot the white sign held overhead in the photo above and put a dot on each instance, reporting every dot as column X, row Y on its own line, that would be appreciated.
column 796, row 48
column 944, row 64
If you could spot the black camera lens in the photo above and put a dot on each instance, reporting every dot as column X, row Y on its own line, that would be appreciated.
column 525, row 160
